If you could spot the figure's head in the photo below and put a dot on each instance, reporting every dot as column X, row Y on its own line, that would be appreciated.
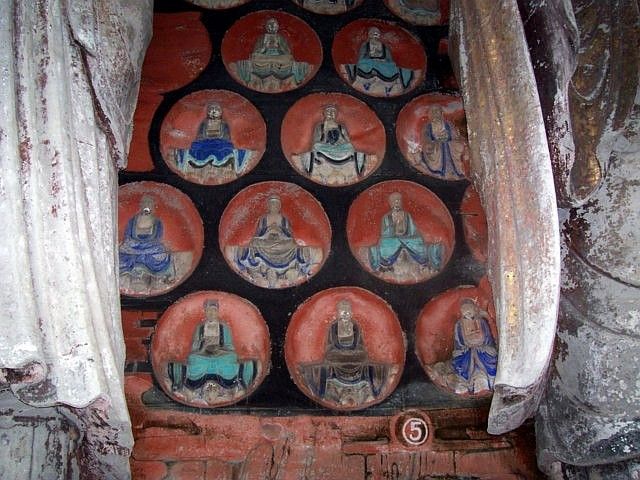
column 274, row 205
column 468, row 308
column 147, row 204
column 344, row 310
column 330, row 112
column 395, row 201
column 211, row 309
column 435, row 113
column 272, row 25
column 214, row 111
column 374, row 33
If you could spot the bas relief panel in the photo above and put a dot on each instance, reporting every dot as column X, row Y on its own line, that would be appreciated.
column 212, row 137
column 474, row 224
column 218, row 4
column 275, row 234
column 210, row 349
column 333, row 139
column 420, row 12
column 378, row 58
column 400, row 232
column 431, row 134
column 271, row 52
column 328, row 7
column 345, row 349
column 160, row 238
column 456, row 341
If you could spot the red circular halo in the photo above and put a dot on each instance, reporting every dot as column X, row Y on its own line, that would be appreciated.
column 180, row 128
column 240, row 39
column 306, row 338
column 364, row 129
column 172, row 341
column 183, row 231
column 309, row 224
column 405, row 49
column 435, row 328
column 412, row 123
column 430, row 215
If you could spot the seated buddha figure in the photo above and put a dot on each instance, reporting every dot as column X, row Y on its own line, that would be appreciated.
column 212, row 372
column 345, row 377
column 401, row 244
column 330, row 7
column 213, row 146
column 143, row 257
column 273, row 258
column 376, row 71
column 441, row 151
column 420, row 12
column 271, row 66
column 472, row 366
column 331, row 145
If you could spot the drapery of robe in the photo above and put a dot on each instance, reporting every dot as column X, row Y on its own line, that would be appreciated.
column 69, row 74
column 511, row 168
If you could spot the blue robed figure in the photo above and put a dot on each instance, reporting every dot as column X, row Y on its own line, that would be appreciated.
column 273, row 251
column 375, row 61
column 442, row 150
column 142, row 247
column 400, row 234
column 213, row 357
column 213, row 145
column 474, row 352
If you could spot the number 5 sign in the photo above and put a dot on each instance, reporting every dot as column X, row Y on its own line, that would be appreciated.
column 411, row 428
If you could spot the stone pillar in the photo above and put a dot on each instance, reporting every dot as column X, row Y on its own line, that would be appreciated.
column 69, row 74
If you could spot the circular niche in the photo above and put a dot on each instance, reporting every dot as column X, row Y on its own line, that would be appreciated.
column 456, row 340
column 275, row 235
column 474, row 224
column 400, row 232
column 420, row 12
column 271, row 51
column 218, row 4
column 333, row 139
column 212, row 137
column 378, row 58
column 210, row 349
column 432, row 135
column 160, row 238
column 345, row 349
column 328, row 7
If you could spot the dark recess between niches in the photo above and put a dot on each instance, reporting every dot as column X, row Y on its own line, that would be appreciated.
column 278, row 395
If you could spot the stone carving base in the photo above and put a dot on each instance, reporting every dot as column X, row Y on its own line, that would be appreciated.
column 55, row 443
column 185, row 445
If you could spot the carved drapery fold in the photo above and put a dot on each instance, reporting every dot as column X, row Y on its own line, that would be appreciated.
column 68, row 85
column 511, row 168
